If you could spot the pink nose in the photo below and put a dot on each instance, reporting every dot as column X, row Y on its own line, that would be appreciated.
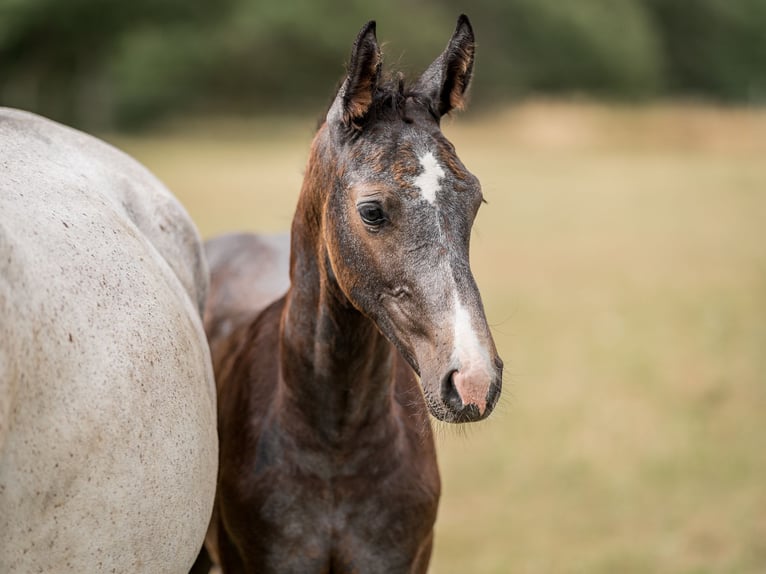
column 472, row 386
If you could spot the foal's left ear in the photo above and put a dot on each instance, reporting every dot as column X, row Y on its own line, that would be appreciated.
column 446, row 80
column 355, row 95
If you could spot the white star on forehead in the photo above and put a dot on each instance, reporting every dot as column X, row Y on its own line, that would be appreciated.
column 429, row 179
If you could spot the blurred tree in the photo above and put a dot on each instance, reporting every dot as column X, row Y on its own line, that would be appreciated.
column 602, row 47
column 55, row 55
column 713, row 47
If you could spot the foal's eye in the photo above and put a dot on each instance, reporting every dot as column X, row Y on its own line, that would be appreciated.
column 372, row 214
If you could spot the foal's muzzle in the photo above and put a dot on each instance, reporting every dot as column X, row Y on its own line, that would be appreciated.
column 472, row 395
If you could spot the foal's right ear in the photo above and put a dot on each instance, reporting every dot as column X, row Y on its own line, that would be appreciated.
column 355, row 95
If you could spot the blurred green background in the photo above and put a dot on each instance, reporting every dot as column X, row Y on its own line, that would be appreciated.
column 115, row 63
column 621, row 145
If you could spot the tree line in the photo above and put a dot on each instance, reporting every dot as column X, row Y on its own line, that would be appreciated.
column 128, row 63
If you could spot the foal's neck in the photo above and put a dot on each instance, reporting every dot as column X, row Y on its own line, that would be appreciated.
column 336, row 367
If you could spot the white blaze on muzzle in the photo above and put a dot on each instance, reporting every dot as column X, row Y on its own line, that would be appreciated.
column 470, row 356
column 474, row 366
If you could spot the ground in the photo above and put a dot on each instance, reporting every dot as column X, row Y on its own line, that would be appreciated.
column 622, row 260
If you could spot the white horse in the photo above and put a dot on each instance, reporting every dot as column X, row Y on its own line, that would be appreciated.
column 108, row 447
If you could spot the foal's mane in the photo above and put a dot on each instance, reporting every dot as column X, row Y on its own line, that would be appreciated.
column 388, row 102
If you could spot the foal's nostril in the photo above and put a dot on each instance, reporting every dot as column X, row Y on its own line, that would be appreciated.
column 450, row 396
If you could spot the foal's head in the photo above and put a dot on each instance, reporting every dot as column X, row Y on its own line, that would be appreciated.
column 396, row 219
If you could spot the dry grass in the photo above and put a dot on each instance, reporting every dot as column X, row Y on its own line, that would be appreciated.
column 622, row 258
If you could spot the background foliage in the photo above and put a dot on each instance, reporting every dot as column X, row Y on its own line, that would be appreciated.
column 105, row 63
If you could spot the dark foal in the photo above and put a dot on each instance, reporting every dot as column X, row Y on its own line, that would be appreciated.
column 327, row 462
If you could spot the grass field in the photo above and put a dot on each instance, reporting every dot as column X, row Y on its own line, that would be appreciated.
column 622, row 260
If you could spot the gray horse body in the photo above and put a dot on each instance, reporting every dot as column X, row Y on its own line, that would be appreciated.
column 108, row 447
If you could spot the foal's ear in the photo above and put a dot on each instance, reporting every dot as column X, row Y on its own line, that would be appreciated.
column 355, row 95
column 446, row 80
